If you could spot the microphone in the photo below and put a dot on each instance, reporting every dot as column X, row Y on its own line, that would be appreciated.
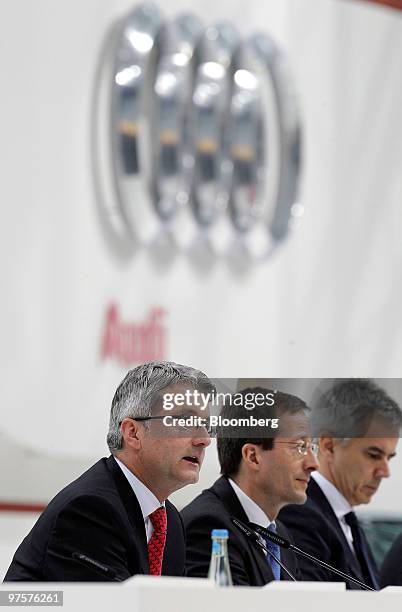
column 284, row 543
column 97, row 566
column 250, row 533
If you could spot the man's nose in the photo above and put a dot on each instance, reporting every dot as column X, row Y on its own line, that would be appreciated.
column 311, row 461
column 202, row 438
column 383, row 470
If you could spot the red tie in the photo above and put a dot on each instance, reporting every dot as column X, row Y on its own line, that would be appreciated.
column 156, row 544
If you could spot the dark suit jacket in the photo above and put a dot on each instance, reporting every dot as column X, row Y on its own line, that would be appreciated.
column 316, row 529
column 97, row 515
column 213, row 510
column 391, row 569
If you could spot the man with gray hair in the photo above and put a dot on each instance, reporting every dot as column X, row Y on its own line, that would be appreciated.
column 358, row 427
column 115, row 521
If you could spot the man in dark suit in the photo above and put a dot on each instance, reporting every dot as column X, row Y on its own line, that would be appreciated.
column 260, row 474
column 358, row 426
column 115, row 521
column 391, row 569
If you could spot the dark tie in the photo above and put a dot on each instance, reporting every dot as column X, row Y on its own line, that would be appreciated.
column 273, row 548
column 362, row 550
column 156, row 544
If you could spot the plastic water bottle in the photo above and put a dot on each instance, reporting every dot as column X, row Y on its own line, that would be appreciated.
column 219, row 568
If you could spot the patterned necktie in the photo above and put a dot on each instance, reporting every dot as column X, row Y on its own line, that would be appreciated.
column 156, row 544
column 273, row 548
column 364, row 557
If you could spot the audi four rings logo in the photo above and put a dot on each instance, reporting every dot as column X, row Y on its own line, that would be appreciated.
column 196, row 135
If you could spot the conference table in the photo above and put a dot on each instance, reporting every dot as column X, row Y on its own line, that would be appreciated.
column 153, row 594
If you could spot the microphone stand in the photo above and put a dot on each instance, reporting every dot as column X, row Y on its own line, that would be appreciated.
column 286, row 544
column 96, row 566
column 269, row 552
column 255, row 536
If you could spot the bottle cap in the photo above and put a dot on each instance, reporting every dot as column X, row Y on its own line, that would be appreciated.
column 220, row 533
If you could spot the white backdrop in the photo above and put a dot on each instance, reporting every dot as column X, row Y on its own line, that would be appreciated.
column 326, row 304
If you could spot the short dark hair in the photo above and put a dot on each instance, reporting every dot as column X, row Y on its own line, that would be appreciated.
column 348, row 407
column 230, row 446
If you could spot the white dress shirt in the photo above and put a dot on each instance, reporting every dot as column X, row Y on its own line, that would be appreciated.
column 338, row 503
column 254, row 513
column 147, row 500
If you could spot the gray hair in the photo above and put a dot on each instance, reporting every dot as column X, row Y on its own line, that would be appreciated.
column 138, row 392
column 348, row 407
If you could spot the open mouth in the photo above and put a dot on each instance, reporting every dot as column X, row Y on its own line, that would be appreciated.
column 192, row 459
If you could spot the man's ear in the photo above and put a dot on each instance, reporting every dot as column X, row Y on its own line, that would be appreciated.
column 131, row 432
column 250, row 456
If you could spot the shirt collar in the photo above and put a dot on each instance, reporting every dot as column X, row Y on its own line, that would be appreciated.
column 338, row 502
column 254, row 513
column 147, row 500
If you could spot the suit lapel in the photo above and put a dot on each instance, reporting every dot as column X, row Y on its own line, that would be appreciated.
column 174, row 553
column 133, row 510
column 226, row 494
column 317, row 495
